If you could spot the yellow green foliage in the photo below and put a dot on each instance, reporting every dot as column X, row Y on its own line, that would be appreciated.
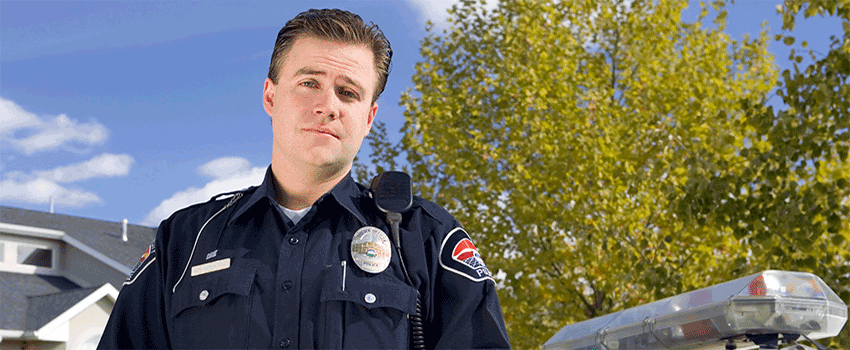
column 604, row 154
column 791, row 202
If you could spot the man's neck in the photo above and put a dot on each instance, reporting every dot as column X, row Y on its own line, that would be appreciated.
column 298, row 189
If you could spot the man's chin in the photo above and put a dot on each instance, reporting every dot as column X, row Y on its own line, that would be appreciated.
column 324, row 161
column 331, row 166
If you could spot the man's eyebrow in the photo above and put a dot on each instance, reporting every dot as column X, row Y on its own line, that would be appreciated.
column 353, row 83
column 311, row 71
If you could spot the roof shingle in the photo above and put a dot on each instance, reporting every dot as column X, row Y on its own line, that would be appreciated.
column 16, row 289
column 42, row 309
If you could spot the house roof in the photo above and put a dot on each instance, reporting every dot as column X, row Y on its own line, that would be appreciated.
column 21, row 294
column 101, row 236
column 42, row 309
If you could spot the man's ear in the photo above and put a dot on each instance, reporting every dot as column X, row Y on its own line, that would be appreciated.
column 372, row 111
column 268, row 96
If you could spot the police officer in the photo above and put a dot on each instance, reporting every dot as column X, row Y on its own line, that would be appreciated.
column 303, row 261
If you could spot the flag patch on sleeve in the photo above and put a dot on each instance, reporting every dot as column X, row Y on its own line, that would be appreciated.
column 459, row 255
column 147, row 258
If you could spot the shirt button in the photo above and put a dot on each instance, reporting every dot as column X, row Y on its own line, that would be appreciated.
column 293, row 240
column 370, row 298
column 287, row 285
column 285, row 343
column 204, row 295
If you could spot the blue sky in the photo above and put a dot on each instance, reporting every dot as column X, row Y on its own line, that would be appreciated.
column 132, row 109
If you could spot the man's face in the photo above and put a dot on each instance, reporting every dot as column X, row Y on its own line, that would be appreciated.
column 321, row 107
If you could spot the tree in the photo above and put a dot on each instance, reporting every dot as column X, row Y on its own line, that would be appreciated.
column 562, row 133
column 790, row 201
column 382, row 155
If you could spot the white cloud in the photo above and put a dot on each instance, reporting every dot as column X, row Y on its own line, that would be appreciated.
column 436, row 10
column 224, row 167
column 41, row 190
column 27, row 132
column 104, row 165
column 13, row 117
column 45, row 133
column 39, row 186
column 244, row 178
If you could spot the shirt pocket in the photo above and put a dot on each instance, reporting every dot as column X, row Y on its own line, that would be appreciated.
column 372, row 312
column 212, row 310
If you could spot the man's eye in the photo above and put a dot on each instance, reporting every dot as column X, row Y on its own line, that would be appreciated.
column 348, row 93
column 309, row 84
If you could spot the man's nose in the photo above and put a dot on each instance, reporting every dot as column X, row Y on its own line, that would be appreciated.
column 327, row 104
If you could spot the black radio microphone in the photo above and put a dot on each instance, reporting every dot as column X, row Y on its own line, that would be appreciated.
column 393, row 194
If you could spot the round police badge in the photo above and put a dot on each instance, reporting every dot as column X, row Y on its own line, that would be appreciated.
column 371, row 249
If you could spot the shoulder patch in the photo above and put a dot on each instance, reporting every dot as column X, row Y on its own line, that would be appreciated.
column 147, row 258
column 459, row 255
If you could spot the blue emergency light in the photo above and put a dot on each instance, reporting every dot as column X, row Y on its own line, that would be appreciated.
column 756, row 311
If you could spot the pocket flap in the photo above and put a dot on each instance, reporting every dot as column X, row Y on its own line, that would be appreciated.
column 374, row 291
column 204, row 289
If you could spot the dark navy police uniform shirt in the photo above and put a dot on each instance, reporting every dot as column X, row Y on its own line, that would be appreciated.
column 237, row 273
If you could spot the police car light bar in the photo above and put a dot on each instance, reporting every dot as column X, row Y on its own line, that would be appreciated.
column 741, row 314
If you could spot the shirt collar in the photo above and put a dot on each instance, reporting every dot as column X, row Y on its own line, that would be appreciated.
column 347, row 193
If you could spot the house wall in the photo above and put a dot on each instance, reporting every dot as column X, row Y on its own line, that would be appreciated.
column 86, row 268
column 88, row 325
column 84, row 331
column 10, row 244
column 68, row 261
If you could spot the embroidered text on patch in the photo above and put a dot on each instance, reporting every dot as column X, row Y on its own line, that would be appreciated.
column 466, row 253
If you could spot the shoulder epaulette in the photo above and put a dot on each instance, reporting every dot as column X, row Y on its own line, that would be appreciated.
column 230, row 194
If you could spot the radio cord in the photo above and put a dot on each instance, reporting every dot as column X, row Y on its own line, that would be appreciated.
column 417, row 330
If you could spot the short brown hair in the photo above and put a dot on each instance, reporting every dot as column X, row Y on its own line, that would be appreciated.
column 339, row 26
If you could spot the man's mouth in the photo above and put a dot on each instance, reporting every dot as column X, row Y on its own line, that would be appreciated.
column 325, row 131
